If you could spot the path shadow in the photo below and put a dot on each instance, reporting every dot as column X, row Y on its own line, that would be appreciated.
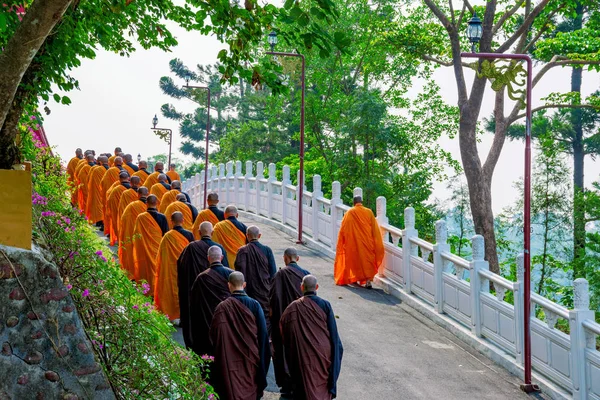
column 375, row 295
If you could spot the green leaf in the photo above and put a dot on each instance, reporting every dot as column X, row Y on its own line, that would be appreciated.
column 56, row 97
column 65, row 100
column 288, row 4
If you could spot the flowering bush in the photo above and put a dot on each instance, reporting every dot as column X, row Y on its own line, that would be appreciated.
column 131, row 340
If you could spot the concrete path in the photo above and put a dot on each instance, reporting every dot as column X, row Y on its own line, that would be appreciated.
column 390, row 350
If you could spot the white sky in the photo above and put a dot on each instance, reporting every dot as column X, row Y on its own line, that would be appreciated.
column 119, row 96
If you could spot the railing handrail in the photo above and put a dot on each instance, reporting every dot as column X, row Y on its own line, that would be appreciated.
column 549, row 305
column 592, row 326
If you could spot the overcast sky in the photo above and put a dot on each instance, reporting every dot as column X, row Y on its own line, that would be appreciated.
column 119, row 96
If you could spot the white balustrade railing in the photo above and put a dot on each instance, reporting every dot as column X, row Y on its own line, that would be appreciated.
column 450, row 285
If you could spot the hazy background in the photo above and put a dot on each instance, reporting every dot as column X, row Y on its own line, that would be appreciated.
column 119, row 97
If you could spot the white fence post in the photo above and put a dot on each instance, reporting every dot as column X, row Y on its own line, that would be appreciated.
column 214, row 183
column 236, row 182
column 477, row 283
column 317, row 194
column 519, row 308
column 220, row 185
column 229, row 169
column 408, row 249
column 299, row 201
column 260, row 175
column 247, row 185
column 270, row 191
column 382, row 219
column 579, row 339
column 336, row 193
column 284, row 193
column 199, row 192
column 441, row 246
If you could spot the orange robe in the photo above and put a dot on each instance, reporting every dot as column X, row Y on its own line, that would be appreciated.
column 128, row 197
column 129, row 170
column 174, row 176
column 166, row 292
column 93, row 206
column 82, row 179
column 359, row 251
column 230, row 237
column 111, row 176
column 151, row 180
column 146, row 239
column 167, row 199
column 107, row 211
column 159, row 191
column 111, row 160
column 204, row 215
column 71, row 178
column 112, row 207
column 180, row 206
column 126, row 227
column 142, row 175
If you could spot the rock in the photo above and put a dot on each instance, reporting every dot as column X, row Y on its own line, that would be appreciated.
column 23, row 379
column 34, row 358
column 6, row 349
column 11, row 322
column 7, row 272
column 52, row 376
column 17, row 294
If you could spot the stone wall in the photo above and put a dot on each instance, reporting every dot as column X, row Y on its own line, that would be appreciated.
column 44, row 353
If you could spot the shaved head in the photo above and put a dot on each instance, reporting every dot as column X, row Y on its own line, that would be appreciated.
column 159, row 166
column 118, row 161
column 181, row 197
column 176, row 185
column 206, row 229
column 89, row 157
column 124, row 176
column 177, row 218
column 253, row 232
column 78, row 152
column 152, row 201
column 309, row 284
column 236, row 281
column 142, row 192
column 162, row 178
column 143, row 164
column 117, row 150
column 357, row 200
column 212, row 199
column 128, row 158
column 231, row 211
column 215, row 254
column 103, row 159
column 135, row 181
column 290, row 255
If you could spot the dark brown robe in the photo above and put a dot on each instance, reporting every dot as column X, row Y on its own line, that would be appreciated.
column 313, row 350
column 209, row 289
column 285, row 289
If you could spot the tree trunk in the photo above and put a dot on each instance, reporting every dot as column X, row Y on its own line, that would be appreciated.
column 20, row 50
column 578, row 165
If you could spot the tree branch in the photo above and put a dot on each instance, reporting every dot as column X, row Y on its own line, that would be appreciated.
column 547, row 106
column 499, row 136
column 524, row 27
column 506, row 16
column 440, row 15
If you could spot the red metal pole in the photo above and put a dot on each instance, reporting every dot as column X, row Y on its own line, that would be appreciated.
column 170, row 144
column 301, row 177
column 527, row 386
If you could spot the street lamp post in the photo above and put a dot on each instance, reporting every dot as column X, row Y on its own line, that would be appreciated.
column 187, row 86
column 139, row 158
column 272, row 42
column 474, row 33
column 154, row 128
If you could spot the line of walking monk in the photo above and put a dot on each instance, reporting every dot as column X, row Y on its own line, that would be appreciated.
column 210, row 274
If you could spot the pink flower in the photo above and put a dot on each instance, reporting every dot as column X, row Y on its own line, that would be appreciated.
column 135, row 307
column 146, row 288
column 206, row 357
column 85, row 293
column 69, row 287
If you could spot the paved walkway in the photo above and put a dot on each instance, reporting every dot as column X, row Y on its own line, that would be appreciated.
column 391, row 351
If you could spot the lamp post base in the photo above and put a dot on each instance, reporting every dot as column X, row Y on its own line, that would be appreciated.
column 530, row 388
column 300, row 242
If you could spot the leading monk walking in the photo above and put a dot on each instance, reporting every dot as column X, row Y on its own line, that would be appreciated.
column 359, row 251
column 230, row 233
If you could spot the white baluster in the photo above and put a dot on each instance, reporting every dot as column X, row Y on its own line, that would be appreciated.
column 441, row 246
column 519, row 308
column 408, row 249
column 317, row 195
column 336, row 193
column 247, row 185
column 580, row 340
column 284, row 193
column 477, row 284
column 236, row 182
column 270, row 189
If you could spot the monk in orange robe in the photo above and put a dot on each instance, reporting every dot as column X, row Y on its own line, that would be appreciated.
column 82, row 178
column 111, row 160
column 94, row 210
column 126, row 228
column 149, row 229
column 182, row 206
column 129, row 165
column 166, row 291
column 230, row 233
column 112, row 205
column 142, row 173
column 359, row 251
column 128, row 197
column 172, row 174
column 159, row 189
column 153, row 177
column 167, row 199
column 212, row 214
column 71, row 173
column 110, row 178
column 76, row 183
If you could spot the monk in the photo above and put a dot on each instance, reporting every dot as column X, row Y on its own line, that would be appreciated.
column 230, row 233
column 172, row 174
column 126, row 230
column 128, row 197
column 169, row 197
column 83, row 173
column 153, row 178
column 359, row 251
column 112, row 205
column 209, row 289
column 111, row 177
column 71, row 173
column 94, row 210
column 238, row 334
column 129, row 165
column 313, row 350
column 285, row 289
column 111, row 160
column 183, row 207
column 166, row 292
column 142, row 173
column 76, row 184
column 256, row 262
column 211, row 214
column 149, row 229
column 176, row 185
column 161, row 187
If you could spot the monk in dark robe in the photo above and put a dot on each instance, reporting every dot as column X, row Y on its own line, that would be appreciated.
column 209, row 289
column 238, row 334
column 256, row 262
column 192, row 261
column 211, row 214
column 285, row 290
column 313, row 350
column 142, row 173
